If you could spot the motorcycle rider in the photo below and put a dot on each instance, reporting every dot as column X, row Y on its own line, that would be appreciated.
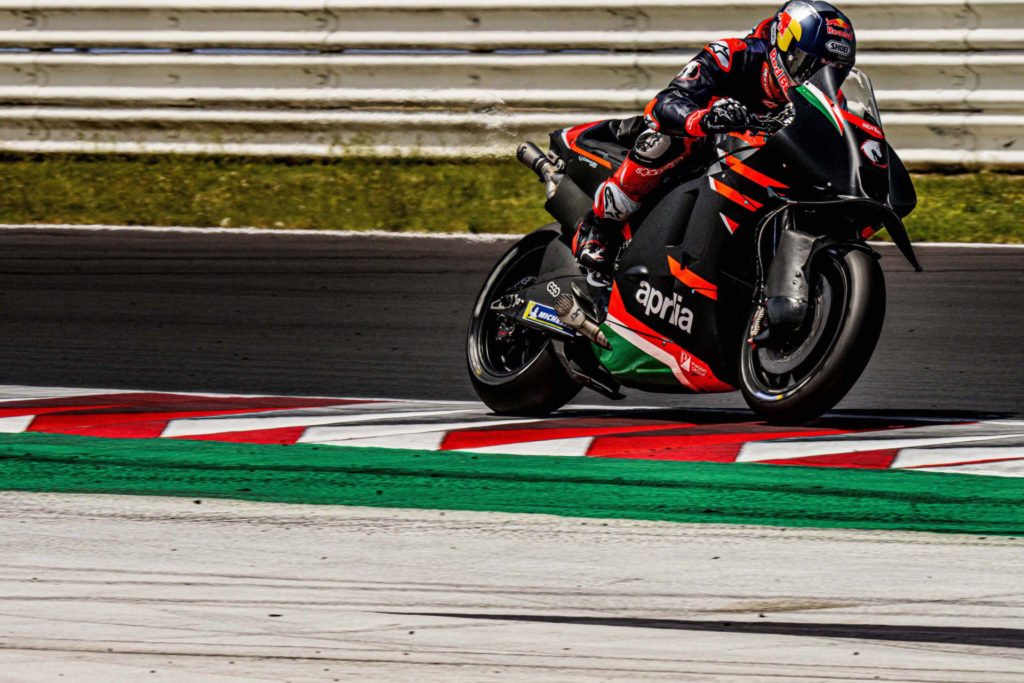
column 716, row 92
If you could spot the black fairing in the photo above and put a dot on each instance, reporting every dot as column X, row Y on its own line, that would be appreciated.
column 671, row 231
column 601, row 142
column 824, row 153
column 901, row 188
column 828, row 173
column 839, row 167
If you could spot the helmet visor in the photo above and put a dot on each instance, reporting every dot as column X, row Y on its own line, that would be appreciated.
column 800, row 64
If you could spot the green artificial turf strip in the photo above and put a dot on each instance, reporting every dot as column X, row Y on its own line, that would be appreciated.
column 573, row 487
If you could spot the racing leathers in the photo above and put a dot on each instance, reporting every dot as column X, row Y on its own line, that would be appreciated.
column 715, row 92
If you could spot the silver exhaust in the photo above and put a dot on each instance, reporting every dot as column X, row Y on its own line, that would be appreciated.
column 571, row 313
column 538, row 162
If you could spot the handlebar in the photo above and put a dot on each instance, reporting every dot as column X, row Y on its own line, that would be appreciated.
column 772, row 123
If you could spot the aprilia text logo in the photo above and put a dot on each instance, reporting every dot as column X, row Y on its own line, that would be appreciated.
column 664, row 307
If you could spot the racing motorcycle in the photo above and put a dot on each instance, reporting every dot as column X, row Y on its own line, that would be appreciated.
column 751, row 272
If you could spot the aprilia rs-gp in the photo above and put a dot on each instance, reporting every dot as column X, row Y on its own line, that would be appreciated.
column 751, row 273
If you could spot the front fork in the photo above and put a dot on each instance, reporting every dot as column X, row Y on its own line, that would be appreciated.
column 787, row 288
column 784, row 294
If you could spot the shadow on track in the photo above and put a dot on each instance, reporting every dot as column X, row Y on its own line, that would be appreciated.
column 952, row 635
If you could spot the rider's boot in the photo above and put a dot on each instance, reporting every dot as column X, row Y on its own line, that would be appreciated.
column 596, row 245
column 599, row 234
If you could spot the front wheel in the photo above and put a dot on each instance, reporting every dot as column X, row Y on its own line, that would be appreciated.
column 803, row 377
column 513, row 367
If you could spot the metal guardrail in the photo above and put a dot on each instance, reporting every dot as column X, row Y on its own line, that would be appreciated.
column 183, row 76
column 483, row 24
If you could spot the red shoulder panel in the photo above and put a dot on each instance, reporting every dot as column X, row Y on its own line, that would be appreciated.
column 761, row 30
column 723, row 51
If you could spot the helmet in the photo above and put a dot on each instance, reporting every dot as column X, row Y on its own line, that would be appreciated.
column 807, row 35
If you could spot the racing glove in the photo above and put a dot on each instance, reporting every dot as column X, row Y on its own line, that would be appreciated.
column 724, row 116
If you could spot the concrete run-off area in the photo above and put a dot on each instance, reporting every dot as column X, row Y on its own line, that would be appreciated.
column 101, row 588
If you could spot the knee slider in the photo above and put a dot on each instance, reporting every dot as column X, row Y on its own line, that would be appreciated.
column 651, row 147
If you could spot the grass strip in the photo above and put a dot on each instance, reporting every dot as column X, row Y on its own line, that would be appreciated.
column 357, row 194
column 571, row 487
column 481, row 196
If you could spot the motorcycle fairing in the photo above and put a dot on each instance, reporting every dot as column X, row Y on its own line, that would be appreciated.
column 693, row 244
column 663, row 331
column 642, row 357
column 686, row 235
column 902, row 195
column 853, row 167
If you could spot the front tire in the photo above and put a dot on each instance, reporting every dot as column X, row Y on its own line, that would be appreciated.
column 798, row 380
column 513, row 368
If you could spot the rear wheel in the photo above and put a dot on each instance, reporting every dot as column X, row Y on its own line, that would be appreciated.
column 804, row 376
column 513, row 367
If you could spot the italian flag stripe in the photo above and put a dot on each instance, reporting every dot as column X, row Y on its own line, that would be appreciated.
column 822, row 104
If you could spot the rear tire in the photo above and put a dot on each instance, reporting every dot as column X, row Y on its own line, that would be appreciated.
column 517, row 373
column 804, row 378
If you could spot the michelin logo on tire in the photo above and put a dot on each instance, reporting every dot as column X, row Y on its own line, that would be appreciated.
column 664, row 307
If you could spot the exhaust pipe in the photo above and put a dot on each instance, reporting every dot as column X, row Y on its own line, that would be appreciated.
column 567, row 203
column 571, row 313
column 538, row 162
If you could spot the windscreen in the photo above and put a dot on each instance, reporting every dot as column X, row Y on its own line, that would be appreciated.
column 860, row 97
column 824, row 152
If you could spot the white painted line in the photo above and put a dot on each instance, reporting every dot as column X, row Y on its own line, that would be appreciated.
column 790, row 450
column 964, row 245
column 16, row 424
column 16, row 392
column 346, row 234
column 426, row 441
column 1005, row 468
column 200, row 426
column 385, row 408
column 930, row 457
column 339, row 435
column 469, row 237
column 931, row 428
column 342, row 408
column 577, row 446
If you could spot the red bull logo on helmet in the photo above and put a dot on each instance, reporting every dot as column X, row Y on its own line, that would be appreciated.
column 781, row 77
column 839, row 27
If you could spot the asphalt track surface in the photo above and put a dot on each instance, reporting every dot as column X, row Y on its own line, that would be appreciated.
column 385, row 316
